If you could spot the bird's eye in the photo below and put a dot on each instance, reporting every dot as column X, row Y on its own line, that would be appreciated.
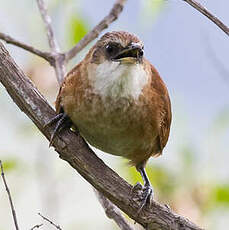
column 109, row 49
column 112, row 49
column 141, row 53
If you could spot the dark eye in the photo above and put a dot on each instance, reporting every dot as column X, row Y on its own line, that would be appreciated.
column 112, row 49
column 141, row 53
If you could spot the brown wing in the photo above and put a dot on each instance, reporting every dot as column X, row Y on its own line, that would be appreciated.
column 67, row 87
column 58, row 100
column 164, row 114
column 165, row 123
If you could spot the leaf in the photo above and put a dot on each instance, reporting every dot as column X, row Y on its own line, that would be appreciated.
column 151, row 8
column 77, row 29
column 160, row 177
column 10, row 164
column 221, row 194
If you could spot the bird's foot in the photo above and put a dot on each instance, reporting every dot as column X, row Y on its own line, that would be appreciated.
column 145, row 193
column 147, row 196
column 61, row 121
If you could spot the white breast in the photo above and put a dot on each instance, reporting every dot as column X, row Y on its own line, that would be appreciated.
column 118, row 80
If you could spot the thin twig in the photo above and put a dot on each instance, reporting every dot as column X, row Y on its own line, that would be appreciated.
column 95, row 32
column 10, row 198
column 112, row 211
column 47, row 21
column 46, row 55
column 48, row 220
column 36, row 226
column 59, row 58
column 205, row 12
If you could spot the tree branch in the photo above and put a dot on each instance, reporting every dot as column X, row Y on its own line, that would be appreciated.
column 9, row 195
column 59, row 58
column 73, row 149
column 205, row 12
column 112, row 211
column 47, row 21
column 36, row 226
column 58, row 61
column 94, row 33
column 46, row 55
column 49, row 221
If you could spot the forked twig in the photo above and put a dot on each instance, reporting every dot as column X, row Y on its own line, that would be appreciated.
column 49, row 221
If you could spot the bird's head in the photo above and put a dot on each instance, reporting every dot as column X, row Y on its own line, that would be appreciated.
column 118, row 46
column 116, row 67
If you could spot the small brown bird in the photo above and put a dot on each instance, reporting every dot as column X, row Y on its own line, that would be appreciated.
column 118, row 102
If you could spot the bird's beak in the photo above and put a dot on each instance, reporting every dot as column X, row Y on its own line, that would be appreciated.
column 132, row 54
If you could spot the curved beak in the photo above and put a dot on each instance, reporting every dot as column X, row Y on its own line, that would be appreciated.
column 132, row 54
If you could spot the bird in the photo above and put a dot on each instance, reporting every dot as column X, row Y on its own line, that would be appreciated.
column 118, row 102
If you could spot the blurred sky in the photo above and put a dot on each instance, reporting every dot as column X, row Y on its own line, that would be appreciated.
column 189, row 51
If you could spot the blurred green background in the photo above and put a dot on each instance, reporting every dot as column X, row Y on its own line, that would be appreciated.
column 191, row 54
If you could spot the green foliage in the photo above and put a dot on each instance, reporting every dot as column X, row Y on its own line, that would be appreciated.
column 9, row 164
column 77, row 29
column 160, row 177
column 151, row 8
column 220, row 195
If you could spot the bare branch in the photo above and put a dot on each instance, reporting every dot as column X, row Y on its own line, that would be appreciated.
column 94, row 33
column 59, row 58
column 48, row 220
column 47, row 21
column 112, row 211
column 36, row 226
column 205, row 12
column 10, row 198
column 73, row 149
column 46, row 55
column 55, row 58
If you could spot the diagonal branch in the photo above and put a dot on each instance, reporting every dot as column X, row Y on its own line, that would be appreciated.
column 46, row 55
column 94, row 33
column 209, row 15
column 49, row 221
column 112, row 211
column 36, row 226
column 9, row 195
column 73, row 149
column 59, row 58
column 47, row 21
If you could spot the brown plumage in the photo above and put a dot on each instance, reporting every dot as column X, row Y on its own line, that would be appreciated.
column 118, row 101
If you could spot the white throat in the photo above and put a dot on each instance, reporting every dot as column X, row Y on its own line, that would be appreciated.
column 119, row 80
